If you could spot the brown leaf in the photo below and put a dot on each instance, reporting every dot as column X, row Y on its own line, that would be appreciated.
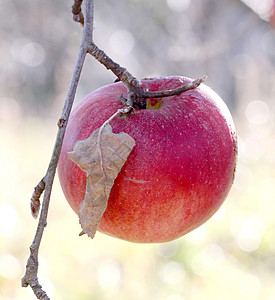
column 101, row 156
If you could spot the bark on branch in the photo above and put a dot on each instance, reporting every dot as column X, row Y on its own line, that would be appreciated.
column 136, row 94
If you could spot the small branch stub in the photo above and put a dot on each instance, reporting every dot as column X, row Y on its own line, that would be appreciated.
column 35, row 199
column 61, row 122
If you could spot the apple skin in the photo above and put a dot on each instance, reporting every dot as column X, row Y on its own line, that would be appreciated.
column 177, row 175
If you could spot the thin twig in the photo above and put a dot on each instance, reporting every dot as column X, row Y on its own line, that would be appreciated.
column 177, row 91
column 31, row 275
column 136, row 94
column 122, row 74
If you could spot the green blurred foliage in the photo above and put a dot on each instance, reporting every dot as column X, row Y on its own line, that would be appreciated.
column 232, row 256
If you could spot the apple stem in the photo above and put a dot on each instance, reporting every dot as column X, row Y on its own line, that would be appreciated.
column 136, row 94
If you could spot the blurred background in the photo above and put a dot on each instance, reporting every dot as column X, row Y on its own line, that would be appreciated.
column 232, row 256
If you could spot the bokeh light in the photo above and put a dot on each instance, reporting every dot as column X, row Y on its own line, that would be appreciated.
column 172, row 273
column 249, row 286
column 248, row 231
column 109, row 274
column 257, row 112
column 8, row 220
column 263, row 8
column 122, row 42
column 29, row 53
column 178, row 5
column 10, row 266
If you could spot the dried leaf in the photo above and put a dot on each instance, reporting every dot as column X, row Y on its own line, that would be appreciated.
column 101, row 156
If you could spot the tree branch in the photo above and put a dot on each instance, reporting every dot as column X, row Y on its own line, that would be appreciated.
column 136, row 94
column 31, row 275
column 177, row 91
column 121, row 73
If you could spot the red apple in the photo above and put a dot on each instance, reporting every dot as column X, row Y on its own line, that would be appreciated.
column 180, row 170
